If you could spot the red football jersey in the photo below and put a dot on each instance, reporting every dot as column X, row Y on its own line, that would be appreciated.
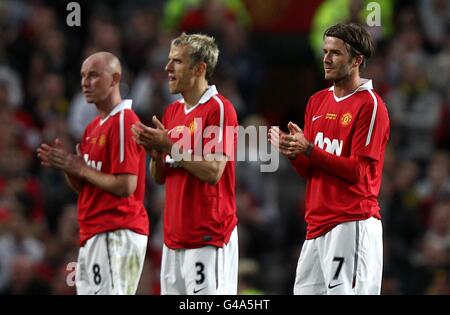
column 353, row 125
column 108, row 147
column 197, row 213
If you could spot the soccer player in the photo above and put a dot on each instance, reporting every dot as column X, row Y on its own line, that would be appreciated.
column 200, row 251
column 108, row 172
column 341, row 155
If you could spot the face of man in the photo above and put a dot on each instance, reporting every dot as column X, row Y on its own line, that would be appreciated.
column 96, row 80
column 337, row 63
column 180, row 70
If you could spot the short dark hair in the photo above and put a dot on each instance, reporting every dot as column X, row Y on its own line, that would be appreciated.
column 356, row 37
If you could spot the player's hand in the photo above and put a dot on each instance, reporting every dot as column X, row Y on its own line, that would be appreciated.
column 274, row 136
column 295, row 143
column 65, row 161
column 138, row 129
column 42, row 154
column 57, row 156
column 155, row 154
column 77, row 149
column 152, row 138
column 290, row 145
column 165, row 140
column 278, row 139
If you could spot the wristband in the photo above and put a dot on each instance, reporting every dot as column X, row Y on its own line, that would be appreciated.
column 309, row 149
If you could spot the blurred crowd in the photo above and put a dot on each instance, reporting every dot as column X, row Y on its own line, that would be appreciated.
column 40, row 99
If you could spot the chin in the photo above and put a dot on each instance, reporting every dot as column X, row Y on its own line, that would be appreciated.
column 334, row 78
column 174, row 91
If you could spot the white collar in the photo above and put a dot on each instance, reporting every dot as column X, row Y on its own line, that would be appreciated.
column 125, row 104
column 210, row 92
column 366, row 85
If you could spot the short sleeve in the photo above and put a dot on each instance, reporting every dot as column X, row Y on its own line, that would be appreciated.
column 371, row 129
column 221, row 129
column 125, row 152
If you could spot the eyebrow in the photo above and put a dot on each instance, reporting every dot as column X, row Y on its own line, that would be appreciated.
column 89, row 72
column 332, row 50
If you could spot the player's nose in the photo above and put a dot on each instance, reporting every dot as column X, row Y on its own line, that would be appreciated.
column 169, row 66
column 84, row 82
column 326, row 59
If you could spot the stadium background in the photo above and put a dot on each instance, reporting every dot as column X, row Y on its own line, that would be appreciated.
column 268, row 67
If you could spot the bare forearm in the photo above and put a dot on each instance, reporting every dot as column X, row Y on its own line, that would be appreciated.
column 208, row 171
column 158, row 170
column 122, row 185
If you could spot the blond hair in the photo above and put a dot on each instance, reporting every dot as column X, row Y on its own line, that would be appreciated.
column 200, row 48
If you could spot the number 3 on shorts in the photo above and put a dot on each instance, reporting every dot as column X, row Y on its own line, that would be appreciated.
column 200, row 268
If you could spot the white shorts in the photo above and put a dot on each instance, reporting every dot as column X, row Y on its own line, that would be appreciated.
column 111, row 263
column 205, row 270
column 346, row 260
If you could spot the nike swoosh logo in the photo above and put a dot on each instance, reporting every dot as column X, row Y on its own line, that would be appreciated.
column 316, row 117
column 333, row 286
column 198, row 290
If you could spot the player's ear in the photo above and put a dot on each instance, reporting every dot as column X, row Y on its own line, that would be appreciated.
column 200, row 69
column 358, row 60
column 116, row 78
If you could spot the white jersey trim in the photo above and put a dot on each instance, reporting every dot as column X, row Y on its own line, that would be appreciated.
column 374, row 115
column 122, row 135
column 210, row 92
column 366, row 85
column 222, row 114
column 125, row 104
column 120, row 108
